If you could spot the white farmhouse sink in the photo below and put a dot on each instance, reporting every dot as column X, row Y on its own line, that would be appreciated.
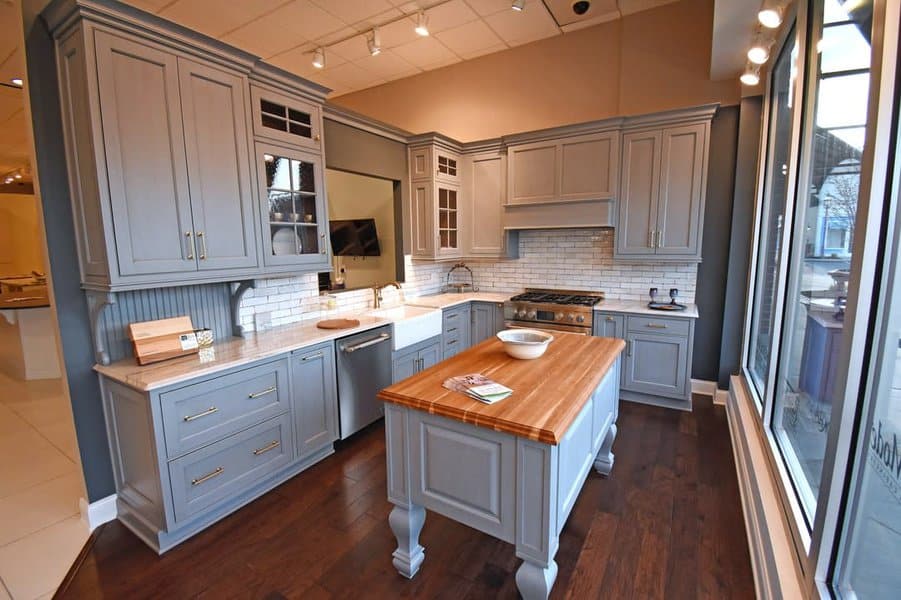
column 412, row 324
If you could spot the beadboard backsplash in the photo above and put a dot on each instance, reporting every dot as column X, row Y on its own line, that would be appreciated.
column 576, row 259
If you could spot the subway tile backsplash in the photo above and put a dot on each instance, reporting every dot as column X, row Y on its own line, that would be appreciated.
column 578, row 259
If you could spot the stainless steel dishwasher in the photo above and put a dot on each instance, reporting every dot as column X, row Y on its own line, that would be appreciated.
column 364, row 368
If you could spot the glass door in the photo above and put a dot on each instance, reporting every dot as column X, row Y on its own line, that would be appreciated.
column 293, row 212
column 448, row 229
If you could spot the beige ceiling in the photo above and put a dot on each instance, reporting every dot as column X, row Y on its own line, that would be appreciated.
column 13, row 141
column 286, row 32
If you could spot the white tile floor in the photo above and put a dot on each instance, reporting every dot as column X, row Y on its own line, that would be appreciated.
column 41, row 531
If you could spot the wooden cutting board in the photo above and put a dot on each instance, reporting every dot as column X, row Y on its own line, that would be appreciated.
column 338, row 324
column 163, row 339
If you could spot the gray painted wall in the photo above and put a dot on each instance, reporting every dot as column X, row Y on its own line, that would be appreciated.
column 710, row 295
column 72, row 310
column 740, row 239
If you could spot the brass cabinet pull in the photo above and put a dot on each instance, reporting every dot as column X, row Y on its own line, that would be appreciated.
column 202, row 245
column 268, row 390
column 660, row 238
column 316, row 137
column 214, row 473
column 322, row 243
column 610, row 319
column 312, row 356
column 190, row 245
column 270, row 446
column 656, row 325
column 207, row 412
column 651, row 238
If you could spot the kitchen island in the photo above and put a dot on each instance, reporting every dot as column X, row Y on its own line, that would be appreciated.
column 512, row 469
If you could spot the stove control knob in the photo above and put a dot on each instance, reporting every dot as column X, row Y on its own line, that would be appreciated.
column 531, row 314
column 519, row 313
column 580, row 318
column 558, row 316
column 570, row 317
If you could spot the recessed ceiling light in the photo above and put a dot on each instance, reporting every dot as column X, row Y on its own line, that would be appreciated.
column 518, row 5
column 319, row 58
column 17, row 81
column 770, row 17
column 374, row 43
column 758, row 54
column 422, row 24
column 751, row 76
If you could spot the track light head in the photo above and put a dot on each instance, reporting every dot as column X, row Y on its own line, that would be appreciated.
column 319, row 58
column 422, row 24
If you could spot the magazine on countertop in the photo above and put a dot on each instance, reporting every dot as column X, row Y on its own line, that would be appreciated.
column 478, row 387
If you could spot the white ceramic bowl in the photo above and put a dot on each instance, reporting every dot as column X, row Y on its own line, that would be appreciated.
column 525, row 344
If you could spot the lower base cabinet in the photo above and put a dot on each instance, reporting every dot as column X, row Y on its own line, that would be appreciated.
column 487, row 320
column 456, row 330
column 186, row 455
column 657, row 360
column 409, row 361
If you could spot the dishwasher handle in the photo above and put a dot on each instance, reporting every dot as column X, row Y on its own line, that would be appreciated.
column 383, row 337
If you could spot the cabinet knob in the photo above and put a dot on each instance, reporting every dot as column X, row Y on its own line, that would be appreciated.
column 316, row 137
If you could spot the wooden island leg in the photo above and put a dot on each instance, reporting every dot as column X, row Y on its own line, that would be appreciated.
column 406, row 524
column 603, row 464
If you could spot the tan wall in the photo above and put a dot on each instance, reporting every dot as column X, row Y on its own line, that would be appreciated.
column 20, row 235
column 650, row 61
column 352, row 196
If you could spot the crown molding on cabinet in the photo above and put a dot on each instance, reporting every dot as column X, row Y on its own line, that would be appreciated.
column 675, row 117
column 358, row 121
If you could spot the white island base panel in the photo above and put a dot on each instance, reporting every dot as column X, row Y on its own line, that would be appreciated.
column 515, row 489
column 35, row 329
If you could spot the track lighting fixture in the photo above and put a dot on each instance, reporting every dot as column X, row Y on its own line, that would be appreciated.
column 17, row 81
column 759, row 53
column 751, row 76
column 374, row 42
column 518, row 5
column 319, row 58
column 770, row 16
column 422, row 24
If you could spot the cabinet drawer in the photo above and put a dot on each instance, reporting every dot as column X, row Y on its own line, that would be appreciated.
column 451, row 347
column 205, row 412
column 665, row 325
column 224, row 469
column 456, row 320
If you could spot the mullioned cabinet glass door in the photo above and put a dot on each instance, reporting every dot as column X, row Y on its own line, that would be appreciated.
column 292, row 207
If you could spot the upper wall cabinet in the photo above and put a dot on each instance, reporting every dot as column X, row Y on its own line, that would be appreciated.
column 435, row 163
column 437, row 206
column 575, row 168
column 158, row 130
column 486, row 189
column 285, row 119
column 661, row 204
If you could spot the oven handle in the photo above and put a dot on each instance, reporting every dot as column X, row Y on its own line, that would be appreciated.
column 549, row 328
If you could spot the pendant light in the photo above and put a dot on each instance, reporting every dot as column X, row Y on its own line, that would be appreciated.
column 422, row 24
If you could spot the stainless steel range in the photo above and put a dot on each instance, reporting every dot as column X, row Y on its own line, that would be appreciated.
column 554, row 310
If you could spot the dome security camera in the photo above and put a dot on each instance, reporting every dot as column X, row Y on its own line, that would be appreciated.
column 580, row 7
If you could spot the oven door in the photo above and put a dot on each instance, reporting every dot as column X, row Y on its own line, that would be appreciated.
column 549, row 327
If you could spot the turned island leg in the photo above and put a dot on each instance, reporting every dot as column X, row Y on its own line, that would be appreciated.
column 406, row 524
column 603, row 463
column 534, row 581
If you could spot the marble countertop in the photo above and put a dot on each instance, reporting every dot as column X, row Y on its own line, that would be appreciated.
column 641, row 308
column 449, row 300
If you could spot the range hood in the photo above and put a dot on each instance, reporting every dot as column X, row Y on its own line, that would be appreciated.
column 560, row 215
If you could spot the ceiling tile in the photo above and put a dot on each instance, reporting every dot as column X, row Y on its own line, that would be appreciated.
column 398, row 33
column 482, row 52
column 469, row 38
column 425, row 51
column 214, row 17
column 150, row 5
column 377, row 20
column 441, row 63
column 333, row 37
column 599, row 10
column 351, row 75
column 354, row 11
column 353, row 49
column 386, row 65
column 628, row 7
column 490, row 7
column 449, row 15
column 517, row 28
column 287, row 27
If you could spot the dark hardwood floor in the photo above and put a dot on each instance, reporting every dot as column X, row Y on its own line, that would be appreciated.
column 666, row 524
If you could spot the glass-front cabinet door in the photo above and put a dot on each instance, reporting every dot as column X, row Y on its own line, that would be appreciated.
column 293, row 213
column 448, row 221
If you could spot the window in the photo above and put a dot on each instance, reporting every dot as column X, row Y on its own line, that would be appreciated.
column 775, row 193
column 825, row 207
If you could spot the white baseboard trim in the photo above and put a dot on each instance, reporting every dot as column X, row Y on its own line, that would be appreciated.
column 773, row 559
column 722, row 396
column 99, row 512
column 703, row 387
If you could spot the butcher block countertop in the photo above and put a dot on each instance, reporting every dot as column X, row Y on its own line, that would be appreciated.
column 548, row 392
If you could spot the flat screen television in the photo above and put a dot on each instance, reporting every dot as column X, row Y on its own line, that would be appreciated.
column 354, row 237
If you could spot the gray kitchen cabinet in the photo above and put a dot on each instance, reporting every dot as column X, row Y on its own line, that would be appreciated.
column 437, row 207
column 455, row 336
column 487, row 320
column 608, row 325
column 286, row 119
column 573, row 168
column 657, row 358
column 487, row 189
column 292, row 208
column 315, row 398
column 218, row 159
column 435, row 163
column 661, row 204
column 409, row 361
